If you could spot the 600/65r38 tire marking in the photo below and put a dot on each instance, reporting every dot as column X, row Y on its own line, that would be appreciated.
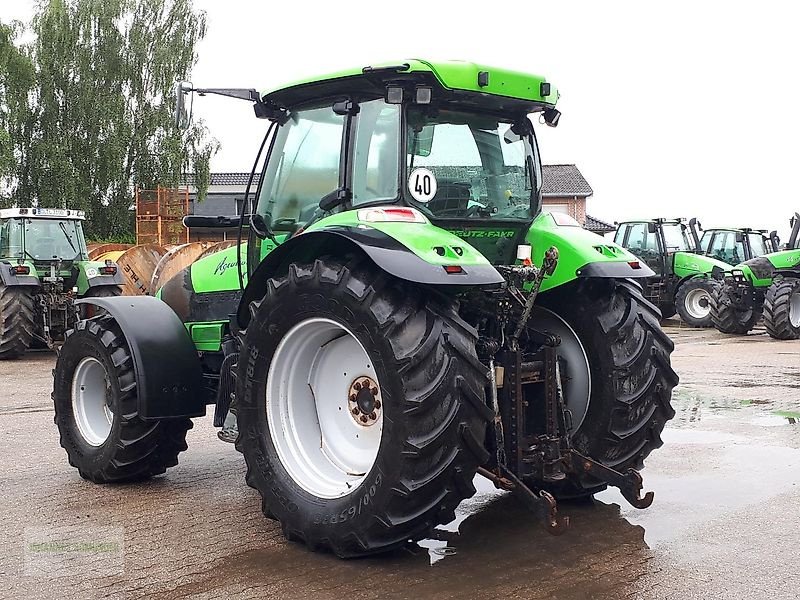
column 430, row 425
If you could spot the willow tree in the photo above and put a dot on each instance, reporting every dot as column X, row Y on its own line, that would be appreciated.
column 104, row 104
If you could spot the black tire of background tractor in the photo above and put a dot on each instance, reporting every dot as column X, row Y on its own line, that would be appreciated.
column 726, row 317
column 106, row 291
column 708, row 286
column 135, row 449
column 435, row 415
column 16, row 321
column 632, row 379
column 667, row 311
column 777, row 305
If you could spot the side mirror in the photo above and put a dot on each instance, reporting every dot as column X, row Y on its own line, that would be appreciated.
column 739, row 236
column 651, row 228
column 182, row 116
column 260, row 226
column 551, row 116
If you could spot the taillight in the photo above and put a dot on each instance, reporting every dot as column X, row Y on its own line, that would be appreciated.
column 453, row 269
column 634, row 264
column 389, row 214
column 20, row 270
column 109, row 269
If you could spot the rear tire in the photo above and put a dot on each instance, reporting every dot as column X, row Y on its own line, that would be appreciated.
column 782, row 309
column 631, row 376
column 726, row 317
column 16, row 321
column 693, row 302
column 433, row 414
column 123, row 447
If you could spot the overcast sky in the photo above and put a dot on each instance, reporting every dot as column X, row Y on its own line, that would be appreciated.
column 681, row 109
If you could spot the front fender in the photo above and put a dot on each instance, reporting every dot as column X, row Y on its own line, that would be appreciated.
column 165, row 361
column 386, row 251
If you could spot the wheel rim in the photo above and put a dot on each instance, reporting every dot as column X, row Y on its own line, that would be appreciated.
column 577, row 385
column 90, row 401
column 320, row 384
column 794, row 309
column 697, row 303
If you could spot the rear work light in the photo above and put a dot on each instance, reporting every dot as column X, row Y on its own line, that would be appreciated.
column 20, row 270
column 392, row 214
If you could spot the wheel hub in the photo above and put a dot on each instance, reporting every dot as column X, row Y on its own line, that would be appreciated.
column 363, row 401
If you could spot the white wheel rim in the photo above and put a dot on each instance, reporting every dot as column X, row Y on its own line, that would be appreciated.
column 698, row 303
column 794, row 309
column 577, row 387
column 326, row 449
column 90, row 401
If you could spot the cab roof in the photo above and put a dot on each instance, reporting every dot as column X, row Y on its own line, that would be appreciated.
column 501, row 87
column 42, row 213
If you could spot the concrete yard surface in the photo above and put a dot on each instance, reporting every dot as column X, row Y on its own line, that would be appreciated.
column 724, row 523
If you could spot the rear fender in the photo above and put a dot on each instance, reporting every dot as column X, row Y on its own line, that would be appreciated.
column 165, row 361
column 9, row 279
column 386, row 251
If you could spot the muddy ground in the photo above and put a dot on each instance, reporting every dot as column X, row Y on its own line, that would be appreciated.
column 724, row 523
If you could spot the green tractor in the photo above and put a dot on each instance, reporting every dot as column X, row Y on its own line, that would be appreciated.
column 401, row 316
column 732, row 246
column 44, row 267
column 682, row 279
column 766, row 285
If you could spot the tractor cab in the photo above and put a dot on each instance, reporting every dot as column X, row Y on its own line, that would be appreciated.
column 733, row 245
column 657, row 241
column 43, row 236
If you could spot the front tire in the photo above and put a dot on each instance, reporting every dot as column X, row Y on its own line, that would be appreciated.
column 693, row 302
column 421, row 358
column 727, row 317
column 782, row 309
column 96, row 409
column 631, row 377
column 16, row 321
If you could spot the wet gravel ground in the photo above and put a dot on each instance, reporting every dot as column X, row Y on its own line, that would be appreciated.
column 724, row 523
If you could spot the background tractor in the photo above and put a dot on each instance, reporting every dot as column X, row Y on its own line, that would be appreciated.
column 766, row 285
column 43, row 268
column 402, row 316
column 682, row 279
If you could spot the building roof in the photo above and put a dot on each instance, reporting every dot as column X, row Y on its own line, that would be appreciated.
column 564, row 181
column 597, row 226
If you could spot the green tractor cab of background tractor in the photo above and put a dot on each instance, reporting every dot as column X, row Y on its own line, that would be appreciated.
column 766, row 285
column 736, row 245
column 43, row 267
column 398, row 316
column 682, row 281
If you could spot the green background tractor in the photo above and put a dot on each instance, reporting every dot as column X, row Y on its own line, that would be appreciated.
column 43, row 268
column 766, row 285
column 401, row 316
column 682, row 282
